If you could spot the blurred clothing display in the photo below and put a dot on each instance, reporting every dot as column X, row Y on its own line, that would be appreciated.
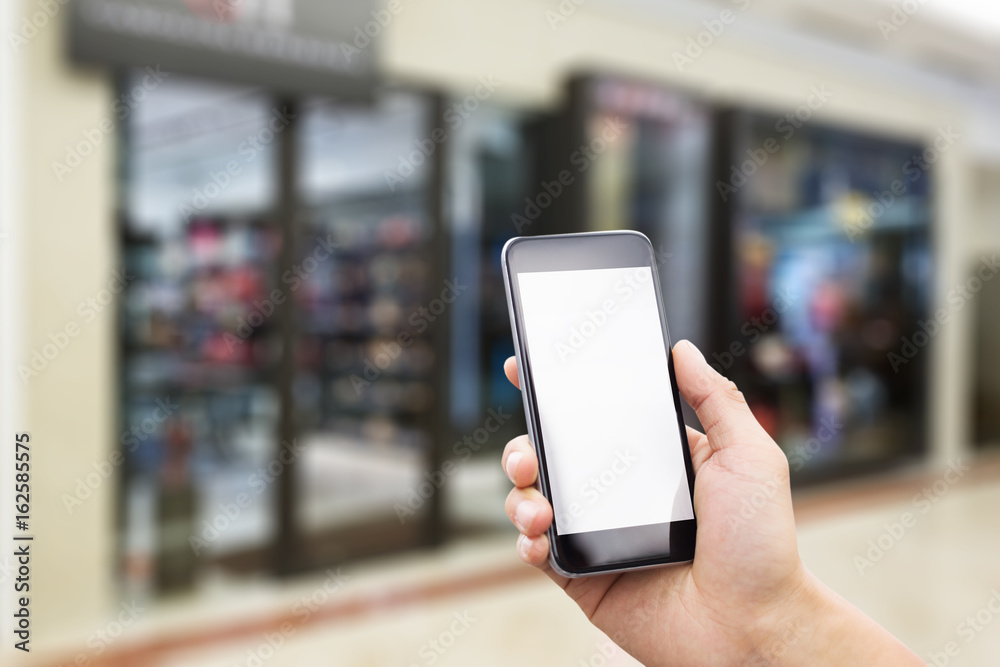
column 832, row 270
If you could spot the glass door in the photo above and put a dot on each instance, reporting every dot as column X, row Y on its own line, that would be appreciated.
column 198, row 354
column 279, row 370
column 365, row 308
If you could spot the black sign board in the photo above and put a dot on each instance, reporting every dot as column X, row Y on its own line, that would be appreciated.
column 290, row 46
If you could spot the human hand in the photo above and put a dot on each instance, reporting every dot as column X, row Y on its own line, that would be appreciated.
column 746, row 598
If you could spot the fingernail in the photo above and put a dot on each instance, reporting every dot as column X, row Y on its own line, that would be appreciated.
column 512, row 462
column 694, row 348
column 524, row 544
column 525, row 512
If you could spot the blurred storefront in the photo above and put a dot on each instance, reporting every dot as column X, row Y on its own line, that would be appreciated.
column 353, row 464
column 305, row 365
column 357, row 460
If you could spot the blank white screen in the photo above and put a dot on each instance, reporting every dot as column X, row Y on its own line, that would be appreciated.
column 602, row 388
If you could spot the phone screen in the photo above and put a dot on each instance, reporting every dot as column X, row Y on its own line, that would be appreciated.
column 605, row 402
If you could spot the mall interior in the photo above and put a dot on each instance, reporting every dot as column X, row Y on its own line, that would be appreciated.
column 254, row 316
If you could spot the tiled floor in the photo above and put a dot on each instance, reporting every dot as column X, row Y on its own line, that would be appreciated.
column 933, row 574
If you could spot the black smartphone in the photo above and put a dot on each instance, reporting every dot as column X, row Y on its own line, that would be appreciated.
column 600, row 396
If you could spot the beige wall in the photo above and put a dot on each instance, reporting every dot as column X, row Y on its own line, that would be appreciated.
column 69, row 247
column 67, row 256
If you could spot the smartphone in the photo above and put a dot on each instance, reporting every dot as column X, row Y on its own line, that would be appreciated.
column 600, row 396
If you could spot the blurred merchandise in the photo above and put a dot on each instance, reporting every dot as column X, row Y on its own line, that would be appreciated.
column 831, row 274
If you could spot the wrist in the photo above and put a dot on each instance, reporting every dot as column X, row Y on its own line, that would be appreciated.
column 816, row 626
column 790, row 621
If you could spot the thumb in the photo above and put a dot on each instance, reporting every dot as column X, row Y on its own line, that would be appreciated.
column 720, row 406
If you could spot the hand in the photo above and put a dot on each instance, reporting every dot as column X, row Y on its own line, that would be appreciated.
column 746, row 598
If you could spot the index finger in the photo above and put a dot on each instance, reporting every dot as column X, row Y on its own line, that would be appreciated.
column 510, row 368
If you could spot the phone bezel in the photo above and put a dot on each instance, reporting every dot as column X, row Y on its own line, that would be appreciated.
column 671, row 542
